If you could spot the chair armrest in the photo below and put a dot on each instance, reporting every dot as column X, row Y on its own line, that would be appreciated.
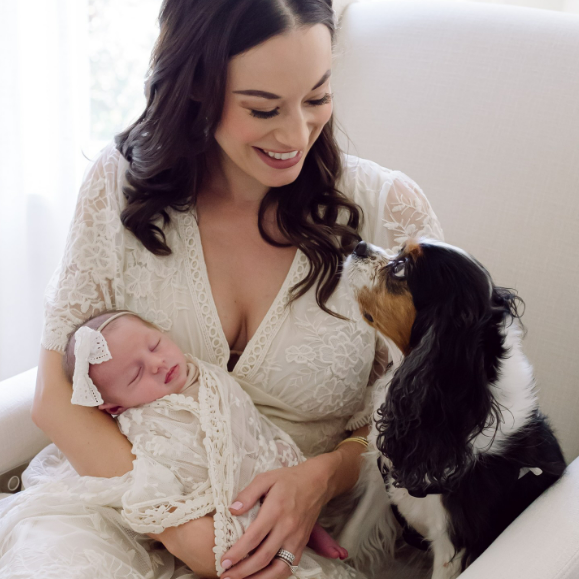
column 20, row 438
column 543, row 542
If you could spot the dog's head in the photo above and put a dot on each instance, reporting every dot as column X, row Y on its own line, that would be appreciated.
column 381, row 285
column 442, row 310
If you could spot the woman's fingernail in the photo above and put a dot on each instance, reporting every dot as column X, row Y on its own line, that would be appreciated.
column 236, row 505
column 226, row 564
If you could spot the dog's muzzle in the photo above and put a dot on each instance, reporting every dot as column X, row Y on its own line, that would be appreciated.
column 362, row 250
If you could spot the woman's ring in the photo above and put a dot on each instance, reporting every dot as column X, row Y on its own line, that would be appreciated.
column 282, row 553
column 288, row 558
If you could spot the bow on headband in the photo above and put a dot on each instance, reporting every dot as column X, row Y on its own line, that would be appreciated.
column 90, row 348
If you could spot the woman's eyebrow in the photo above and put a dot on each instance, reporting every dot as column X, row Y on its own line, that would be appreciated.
column 269, row 95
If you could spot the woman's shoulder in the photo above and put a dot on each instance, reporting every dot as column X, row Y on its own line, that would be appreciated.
column 362, row 178
column 105, row 175
column 109, row 158
column 394, row 206
column 368, row 183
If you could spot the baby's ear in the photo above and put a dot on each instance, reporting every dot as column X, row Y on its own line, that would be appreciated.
column 113, row 409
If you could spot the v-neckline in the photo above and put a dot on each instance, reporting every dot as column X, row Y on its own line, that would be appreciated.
column 257, row 345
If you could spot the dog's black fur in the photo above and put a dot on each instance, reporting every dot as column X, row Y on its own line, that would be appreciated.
column 441, row 398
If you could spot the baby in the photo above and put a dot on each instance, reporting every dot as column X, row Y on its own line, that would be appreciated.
column 179, row 413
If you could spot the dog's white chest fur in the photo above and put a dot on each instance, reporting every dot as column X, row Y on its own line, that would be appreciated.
column 428, row 516
column 515, row 394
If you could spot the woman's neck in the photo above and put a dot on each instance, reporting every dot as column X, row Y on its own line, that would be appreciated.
column 230, row 184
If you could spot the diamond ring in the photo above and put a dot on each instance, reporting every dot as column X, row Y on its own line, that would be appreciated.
column 288, row 558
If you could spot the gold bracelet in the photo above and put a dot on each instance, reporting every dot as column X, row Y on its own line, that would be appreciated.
column 359, row 439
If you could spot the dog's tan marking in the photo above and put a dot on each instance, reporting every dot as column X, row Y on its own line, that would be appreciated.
column 393, row 314
column 413, row 249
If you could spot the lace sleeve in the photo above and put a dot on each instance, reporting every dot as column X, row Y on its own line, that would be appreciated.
column 87, row 278
column 403, row 212
column 395, row 208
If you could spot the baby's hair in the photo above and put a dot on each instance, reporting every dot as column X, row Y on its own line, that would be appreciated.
column 94, row 323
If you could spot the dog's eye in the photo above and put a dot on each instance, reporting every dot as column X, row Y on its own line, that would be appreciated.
column 398, row 269
column 368, row 317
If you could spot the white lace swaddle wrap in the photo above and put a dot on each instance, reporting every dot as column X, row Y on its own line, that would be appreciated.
column 195, row 451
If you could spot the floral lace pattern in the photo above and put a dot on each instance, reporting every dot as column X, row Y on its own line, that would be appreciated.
column 309, row 373
column 278, row 312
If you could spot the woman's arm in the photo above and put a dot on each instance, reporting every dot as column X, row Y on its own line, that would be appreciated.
column 193, row 543
column 293, row 500
column 88, row 437
column 93, row 444
column 347, row 464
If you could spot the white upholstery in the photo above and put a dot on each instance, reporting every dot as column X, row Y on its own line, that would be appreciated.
column 543, row 543
column 20, row 439
column 479, row 104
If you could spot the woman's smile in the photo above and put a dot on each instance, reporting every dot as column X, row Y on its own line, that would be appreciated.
column 279, row 160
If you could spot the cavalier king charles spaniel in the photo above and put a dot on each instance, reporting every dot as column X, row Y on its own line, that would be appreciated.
column 464, row 446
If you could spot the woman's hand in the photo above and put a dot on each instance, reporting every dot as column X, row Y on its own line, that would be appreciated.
column 294, row 499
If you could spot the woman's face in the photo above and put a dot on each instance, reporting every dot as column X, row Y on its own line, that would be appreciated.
column 277, row 101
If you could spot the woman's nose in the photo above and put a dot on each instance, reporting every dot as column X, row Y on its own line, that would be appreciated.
column 293, row 132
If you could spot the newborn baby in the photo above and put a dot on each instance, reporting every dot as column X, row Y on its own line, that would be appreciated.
column 196, row 434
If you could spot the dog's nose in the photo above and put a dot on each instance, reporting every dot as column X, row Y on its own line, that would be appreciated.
column 361, row 249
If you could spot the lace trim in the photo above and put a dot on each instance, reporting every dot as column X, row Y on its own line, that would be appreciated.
column 202, row 298
column 358, row 421
column 155, row 518
column 258, row 346
column 216, row 423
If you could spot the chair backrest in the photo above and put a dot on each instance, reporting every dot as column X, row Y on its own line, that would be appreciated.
column 479, row 104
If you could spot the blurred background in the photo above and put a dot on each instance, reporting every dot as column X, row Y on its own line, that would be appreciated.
column 71, row 76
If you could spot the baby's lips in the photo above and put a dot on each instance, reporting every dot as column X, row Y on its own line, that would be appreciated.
column 170, row 373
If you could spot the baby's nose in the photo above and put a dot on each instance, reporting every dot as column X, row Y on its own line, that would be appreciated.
column 157, row 364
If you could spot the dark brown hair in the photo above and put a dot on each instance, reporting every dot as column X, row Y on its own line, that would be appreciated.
column 168, row 144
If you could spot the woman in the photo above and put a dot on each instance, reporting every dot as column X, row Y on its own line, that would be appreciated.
column 223, row 215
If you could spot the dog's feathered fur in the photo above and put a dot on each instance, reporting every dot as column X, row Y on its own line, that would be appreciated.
column 460, row 420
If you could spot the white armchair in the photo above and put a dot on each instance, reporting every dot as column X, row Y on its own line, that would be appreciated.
column 480, row 105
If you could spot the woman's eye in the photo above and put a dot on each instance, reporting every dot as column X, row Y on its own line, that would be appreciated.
column 323, row 101
column 264, row 114
column 273, row 113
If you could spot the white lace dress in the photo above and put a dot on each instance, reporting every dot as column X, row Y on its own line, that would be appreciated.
column 308, row 372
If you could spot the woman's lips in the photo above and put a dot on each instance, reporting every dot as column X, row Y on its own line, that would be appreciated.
column 171, row 373
column 278, row 163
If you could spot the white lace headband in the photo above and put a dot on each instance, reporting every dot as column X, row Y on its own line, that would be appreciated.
column 90, row 348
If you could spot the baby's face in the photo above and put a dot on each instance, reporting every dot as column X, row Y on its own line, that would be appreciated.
column 145, row 366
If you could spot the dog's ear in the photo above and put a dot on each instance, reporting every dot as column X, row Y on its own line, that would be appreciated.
column 438, row 400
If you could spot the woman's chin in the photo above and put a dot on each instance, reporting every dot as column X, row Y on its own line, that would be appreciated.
column 284, row 177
